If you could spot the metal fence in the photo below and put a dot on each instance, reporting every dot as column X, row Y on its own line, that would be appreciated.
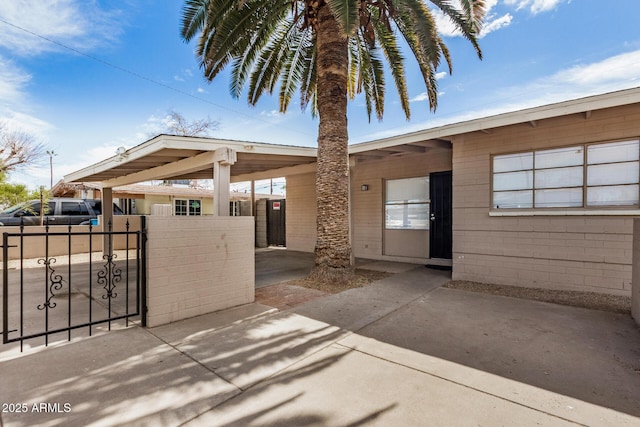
column 51, row 296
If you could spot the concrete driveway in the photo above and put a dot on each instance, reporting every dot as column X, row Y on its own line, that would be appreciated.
column 402, row 351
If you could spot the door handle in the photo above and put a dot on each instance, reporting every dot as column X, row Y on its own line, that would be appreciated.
column 432, row 217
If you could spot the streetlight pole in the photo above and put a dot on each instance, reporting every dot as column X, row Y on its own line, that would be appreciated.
column 51, row 153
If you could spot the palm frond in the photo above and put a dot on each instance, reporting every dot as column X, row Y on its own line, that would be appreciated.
column 244, row 62
column 346, row 13
column 371, row 74
column 294, row 67
column 194, row 14
column 389, row 46
column 309, row 82
column 468, row 20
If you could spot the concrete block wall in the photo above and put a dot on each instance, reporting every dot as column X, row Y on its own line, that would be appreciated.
column 369, row 239
column 585, row 253
column 635, row 278
column 34, row 247
column 198, row 265
column 301, row 212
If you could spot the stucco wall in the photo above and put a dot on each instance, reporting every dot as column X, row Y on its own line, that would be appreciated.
column 198, row 265
column 368, row 239
column 367, row 206
column 587, row 253
column 635, row 291
column 301, row 212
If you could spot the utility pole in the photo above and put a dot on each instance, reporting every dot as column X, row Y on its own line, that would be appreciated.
column 51, row 153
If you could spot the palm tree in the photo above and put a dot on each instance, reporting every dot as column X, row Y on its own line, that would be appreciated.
column 329, row 51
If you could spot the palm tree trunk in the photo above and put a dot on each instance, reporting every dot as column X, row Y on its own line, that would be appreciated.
column 333, row 248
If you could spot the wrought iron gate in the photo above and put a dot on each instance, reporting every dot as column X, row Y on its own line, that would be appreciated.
column 57, row 294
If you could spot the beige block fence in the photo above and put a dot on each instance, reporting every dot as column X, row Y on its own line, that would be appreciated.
column 198, row 265
column 81, row 243
column 194, row 265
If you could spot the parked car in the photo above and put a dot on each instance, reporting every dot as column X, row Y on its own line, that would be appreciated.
column 59, row 211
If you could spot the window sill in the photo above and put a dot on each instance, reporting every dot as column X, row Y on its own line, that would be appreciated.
column 568, row 212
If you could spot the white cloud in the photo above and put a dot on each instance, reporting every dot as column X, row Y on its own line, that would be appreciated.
column 39, row 129
column 611, row 74
column 272, row 114
column 12, row 81
column 492, row 22
column 420, row 97
column 534, row 6
column 78, row 24
column 423, row 96
column 614, row 73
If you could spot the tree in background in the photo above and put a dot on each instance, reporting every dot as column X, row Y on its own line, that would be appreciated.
column 329, row 50
column 13, row 194
column 176, row 124
column 18, row 149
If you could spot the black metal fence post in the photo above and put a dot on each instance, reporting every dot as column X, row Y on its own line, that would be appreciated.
column 143, row 273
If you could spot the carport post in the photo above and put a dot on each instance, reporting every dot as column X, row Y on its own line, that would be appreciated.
column 223, row 159
column 253, row 197
column 107, row 217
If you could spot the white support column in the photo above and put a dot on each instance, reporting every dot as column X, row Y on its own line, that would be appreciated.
column 253, row 197
column 223, row 159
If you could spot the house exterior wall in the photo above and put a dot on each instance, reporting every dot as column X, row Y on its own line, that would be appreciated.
column 143, row 206
column 369, row 238
column 301, row 212
column 198, row 266
column 635, row 292
column 585, row 253
column 367, row 208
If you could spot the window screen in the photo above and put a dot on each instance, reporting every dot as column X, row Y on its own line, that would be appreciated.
column 407, row 204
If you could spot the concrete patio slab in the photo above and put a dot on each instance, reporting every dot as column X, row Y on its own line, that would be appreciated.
column 386, row 266
column 401, row 351
column 557, row 405
column 277, row 265
column 586, row 354
column 253, row 350
column 125, row 377
column 356, row 308
column 341, row 387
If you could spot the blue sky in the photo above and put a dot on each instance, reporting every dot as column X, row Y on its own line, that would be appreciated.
column 89, row 76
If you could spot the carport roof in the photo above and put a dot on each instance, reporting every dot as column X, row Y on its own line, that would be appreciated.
column 177, row 157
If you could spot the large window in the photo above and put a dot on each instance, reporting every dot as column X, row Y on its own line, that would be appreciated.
column 407, row 204
column 187, row 207
column 588, row 175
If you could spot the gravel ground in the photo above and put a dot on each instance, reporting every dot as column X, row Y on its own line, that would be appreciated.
column 590, row 300
column 362, row 278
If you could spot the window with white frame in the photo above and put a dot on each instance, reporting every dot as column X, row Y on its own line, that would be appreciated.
column 187, row 207
column 585, row 175
column 407, row 204
column 234, row 208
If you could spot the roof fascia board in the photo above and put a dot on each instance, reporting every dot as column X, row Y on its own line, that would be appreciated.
column 179, row 167
column 209, row 144
column 148, row 147
column 161, row 142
